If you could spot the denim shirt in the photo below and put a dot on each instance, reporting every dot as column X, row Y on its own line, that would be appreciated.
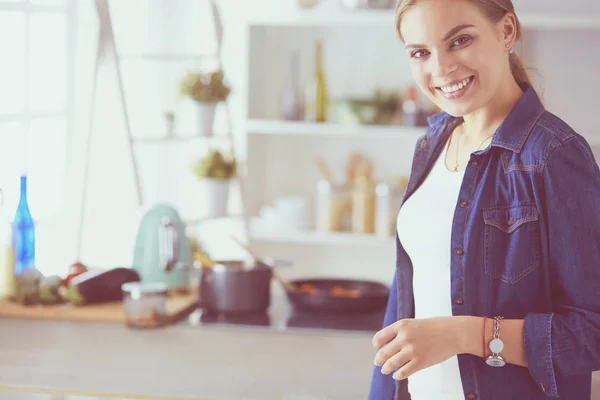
column 525, row 245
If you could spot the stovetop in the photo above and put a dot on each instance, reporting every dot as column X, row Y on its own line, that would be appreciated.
column 281, row 316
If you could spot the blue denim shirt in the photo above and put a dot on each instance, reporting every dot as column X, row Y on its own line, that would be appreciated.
column 525, row 245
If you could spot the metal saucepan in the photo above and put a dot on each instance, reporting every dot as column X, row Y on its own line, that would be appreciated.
column 233, row 287
column 321, row 295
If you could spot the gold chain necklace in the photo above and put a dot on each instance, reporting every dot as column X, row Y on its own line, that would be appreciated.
column 455, row 169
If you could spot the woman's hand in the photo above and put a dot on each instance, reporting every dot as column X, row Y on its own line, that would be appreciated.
column 410, row 345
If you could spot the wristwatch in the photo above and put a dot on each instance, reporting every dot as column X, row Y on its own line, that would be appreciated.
column 496, row 346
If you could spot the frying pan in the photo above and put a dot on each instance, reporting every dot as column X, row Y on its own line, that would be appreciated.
column 374, row 296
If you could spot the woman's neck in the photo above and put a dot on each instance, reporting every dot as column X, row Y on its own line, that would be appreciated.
column 483, row 123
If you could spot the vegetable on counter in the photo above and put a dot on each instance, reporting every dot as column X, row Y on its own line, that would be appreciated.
column 49, row 290
column 27, row 290
column 100, row 286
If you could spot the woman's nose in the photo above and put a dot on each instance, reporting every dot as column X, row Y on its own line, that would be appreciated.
column 443, row 65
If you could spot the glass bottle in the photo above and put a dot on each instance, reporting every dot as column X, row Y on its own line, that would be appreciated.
column 23, row 236
column 317, row 98
column 292, row 108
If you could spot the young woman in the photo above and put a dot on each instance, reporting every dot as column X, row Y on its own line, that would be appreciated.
column 497, row 286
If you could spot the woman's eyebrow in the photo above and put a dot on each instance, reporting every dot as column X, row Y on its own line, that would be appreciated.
column 447, row 36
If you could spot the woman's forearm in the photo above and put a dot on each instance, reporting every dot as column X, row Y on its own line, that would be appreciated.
column 469, row 331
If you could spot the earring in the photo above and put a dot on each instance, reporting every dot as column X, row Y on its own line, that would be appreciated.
column 509, row 49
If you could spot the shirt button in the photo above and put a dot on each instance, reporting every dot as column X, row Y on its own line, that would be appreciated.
column 472, row 396
column 460, row 252
column 458, row 300
column 463, row 204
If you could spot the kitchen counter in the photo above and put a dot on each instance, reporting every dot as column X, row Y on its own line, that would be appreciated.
column 187, row 361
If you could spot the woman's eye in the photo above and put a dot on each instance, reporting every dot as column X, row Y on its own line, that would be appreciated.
column 461, row 40
column 419, row 53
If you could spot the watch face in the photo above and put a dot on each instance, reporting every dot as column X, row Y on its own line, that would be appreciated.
column 495, row 361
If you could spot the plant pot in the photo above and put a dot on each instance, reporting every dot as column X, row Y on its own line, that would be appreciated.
column 205, row 118
column 215, row 196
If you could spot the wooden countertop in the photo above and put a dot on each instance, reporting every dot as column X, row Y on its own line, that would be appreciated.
column 83, row 358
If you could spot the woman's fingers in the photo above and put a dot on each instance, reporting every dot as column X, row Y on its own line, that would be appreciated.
column 387, row 351
column 388, row 333
column 384, row 336
column 406, row 370
column 396, row 361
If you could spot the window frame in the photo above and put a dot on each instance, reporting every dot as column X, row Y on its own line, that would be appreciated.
column 69, row 9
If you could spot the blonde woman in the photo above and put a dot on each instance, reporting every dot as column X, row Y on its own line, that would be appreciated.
column 497, row 288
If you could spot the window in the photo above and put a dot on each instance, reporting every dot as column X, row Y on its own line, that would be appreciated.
column 35, row 109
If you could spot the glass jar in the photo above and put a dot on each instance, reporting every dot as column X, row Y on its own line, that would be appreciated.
column 388, row 199
column 363, row 207
column 332, row 207
column 145, row 304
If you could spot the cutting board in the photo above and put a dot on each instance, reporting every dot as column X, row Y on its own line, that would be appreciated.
column 178, row 306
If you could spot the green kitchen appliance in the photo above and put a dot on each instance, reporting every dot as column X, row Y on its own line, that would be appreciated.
column 162, row 251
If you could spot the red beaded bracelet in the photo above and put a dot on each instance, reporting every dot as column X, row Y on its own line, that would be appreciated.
column 483, row 337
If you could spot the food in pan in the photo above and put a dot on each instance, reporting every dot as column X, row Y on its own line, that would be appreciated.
column 336, row 291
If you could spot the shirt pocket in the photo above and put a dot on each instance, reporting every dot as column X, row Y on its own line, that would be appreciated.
column 512, row 241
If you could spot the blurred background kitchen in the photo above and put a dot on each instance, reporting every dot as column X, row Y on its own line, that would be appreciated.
column 270, row 129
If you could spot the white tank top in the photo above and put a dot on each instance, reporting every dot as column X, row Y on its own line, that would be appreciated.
column 424, row 229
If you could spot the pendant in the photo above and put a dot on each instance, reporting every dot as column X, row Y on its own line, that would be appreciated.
column 495, row 361
column 496, row 346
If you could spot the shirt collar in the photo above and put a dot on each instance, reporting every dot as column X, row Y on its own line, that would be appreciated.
column 515, row 128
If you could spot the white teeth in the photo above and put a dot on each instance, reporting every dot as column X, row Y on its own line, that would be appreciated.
column 455, row 87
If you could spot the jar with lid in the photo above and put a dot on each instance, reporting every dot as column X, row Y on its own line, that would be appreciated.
column 388, row 199
column 145, row 304
column 332, row 207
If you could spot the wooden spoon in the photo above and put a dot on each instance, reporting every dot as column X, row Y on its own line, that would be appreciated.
column 324, row 170
column 256, row 258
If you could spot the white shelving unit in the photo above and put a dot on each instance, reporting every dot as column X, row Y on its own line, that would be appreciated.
column 280, row 153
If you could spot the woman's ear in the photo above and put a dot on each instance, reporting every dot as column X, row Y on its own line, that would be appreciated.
column 509, row 29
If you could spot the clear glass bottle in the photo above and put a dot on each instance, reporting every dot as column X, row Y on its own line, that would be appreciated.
column 292, row 102
column 23, row 235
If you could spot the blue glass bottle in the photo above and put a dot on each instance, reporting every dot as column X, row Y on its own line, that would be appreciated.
column 23, row 233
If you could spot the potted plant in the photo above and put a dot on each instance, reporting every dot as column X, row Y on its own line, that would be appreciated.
column 206, row 90
column 215, row 172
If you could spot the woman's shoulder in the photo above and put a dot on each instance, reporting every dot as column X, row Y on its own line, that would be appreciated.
column 551, row 136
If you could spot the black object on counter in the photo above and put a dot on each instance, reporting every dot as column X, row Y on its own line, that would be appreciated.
column 232, row 288
column 368, row 296
column 282, row 317
column 99, row 286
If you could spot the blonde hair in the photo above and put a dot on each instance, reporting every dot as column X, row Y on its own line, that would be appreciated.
column 494, row 10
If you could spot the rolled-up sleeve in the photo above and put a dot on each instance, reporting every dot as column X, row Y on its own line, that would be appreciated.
column 567, row 340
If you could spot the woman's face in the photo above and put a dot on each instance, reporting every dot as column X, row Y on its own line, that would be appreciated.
column 457, row 56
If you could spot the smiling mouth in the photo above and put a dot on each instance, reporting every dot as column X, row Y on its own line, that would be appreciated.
column 456, row 88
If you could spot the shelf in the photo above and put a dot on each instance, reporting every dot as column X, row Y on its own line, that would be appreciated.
column 322, row 238
column 177, row 139
column 292, row 128
column 164, row 56
column 385, row 18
